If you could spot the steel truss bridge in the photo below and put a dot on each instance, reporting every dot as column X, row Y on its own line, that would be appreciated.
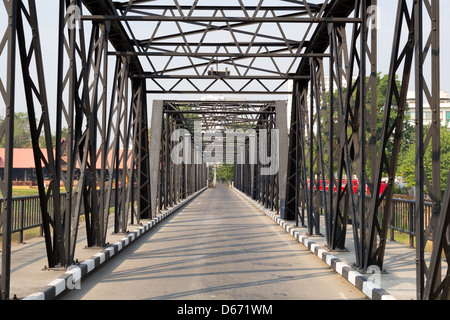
column 197, row 47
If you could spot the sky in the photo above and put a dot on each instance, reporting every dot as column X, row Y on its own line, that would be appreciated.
column 48, row 22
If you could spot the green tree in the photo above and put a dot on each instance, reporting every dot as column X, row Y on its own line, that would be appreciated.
column 225, row 172
column 408, row 131
column 407, row 163
column 22, row 135
column 42, row 143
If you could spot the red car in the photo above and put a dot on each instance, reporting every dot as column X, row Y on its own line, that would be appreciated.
column 344, row 184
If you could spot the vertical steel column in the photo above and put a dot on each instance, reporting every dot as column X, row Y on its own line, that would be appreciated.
column 372, row 84
column 391, row 134
column 27, row 56
column 77, row 140
column 58, row 250
column 71, row 103
column 265, row 146
column 109, row 176
column 361, row 165
column 258, row 166
column 431, row 90
column 172, row 177
column 372, row 110
column 123, row 156
column 312, row 209
column 143, row 152
column 420, row 149
column 271, row 177
column 267, row 178
column 96, row 66
column 192, row 169
column 166, row 162
column 352, row 147
column 282, row 159
column 339, row 207
column 117, row 128
column 329, row 219
column 155, row 153
column 133, row 157
column 435, row 286
column 7, row 135
column 293, row 167
column 319, row 105
column 301, row 101
column 303, row 117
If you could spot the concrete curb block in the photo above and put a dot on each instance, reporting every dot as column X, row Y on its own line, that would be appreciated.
column 361, row 282
column 75, row 273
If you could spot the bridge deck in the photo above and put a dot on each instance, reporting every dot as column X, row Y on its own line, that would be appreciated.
column 217, row 247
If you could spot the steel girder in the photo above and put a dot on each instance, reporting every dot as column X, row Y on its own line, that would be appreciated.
column 386, row 164
column 302, row 123
column 172, row 182
column 350, row 113
column 430, row 283
column 8, row 49
column 192, row 55
column 351, row 155
column 216, row 118
column 268, row 189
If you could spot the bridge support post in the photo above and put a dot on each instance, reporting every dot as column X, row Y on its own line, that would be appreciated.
column 281, row 126
column 155, row 153
column 7, row 136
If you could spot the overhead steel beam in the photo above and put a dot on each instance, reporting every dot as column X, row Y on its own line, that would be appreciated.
column 118, row 36
column 216, row 77
column 219, row 19
column 219, row 55
column 129, row 6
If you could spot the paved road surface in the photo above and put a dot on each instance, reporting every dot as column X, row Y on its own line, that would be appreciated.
column 217, row 247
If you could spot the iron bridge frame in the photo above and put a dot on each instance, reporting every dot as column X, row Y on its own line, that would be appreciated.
column 105, row 155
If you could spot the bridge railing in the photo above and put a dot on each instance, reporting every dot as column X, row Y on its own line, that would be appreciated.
column 26, row 213
column 402, row 216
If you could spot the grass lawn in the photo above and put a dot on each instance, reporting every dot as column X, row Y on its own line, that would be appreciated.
column 26, row 191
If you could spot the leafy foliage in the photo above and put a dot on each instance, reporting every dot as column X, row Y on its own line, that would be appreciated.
column 407, row 163
column 22, row 135
column 225, row 172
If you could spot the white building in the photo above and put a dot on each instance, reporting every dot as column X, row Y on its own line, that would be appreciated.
column 444, row 106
